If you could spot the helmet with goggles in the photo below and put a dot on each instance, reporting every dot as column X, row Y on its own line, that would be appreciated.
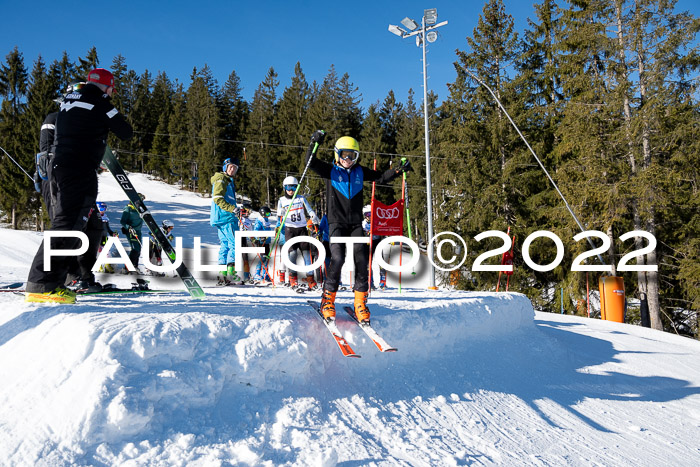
column 290, row 183
column 230, row 161
column 347, row 147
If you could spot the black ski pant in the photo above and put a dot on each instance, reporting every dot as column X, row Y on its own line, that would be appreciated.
column 301, row 247
column 360, row 255
column 81, row 267
column 74, row 193
column 135, row 244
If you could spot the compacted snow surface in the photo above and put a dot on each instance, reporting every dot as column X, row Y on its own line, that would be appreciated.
column 251, row 376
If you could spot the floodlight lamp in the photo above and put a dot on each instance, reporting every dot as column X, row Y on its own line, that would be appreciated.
column 396, row 30
column 409, row 23
column 419, row 40
column 430, row 16
column 431, row 36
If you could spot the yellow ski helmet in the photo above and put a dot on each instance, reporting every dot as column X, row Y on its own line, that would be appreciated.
column 347, row 143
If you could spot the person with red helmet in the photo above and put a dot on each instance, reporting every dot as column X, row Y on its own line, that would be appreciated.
column 85, row 119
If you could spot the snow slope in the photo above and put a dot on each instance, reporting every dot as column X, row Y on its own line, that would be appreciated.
column 250, row 376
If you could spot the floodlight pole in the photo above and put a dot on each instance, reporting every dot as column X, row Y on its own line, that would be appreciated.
column 422, row 35
column 428, row 182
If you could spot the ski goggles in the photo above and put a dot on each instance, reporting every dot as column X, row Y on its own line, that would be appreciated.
column 348, row 154
column 290, row 187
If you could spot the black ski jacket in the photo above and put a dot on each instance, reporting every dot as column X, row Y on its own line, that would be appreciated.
column 48, row 128
column 84, row 121
column 344, row 188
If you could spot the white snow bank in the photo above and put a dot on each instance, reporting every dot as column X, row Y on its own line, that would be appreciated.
column 117, row 368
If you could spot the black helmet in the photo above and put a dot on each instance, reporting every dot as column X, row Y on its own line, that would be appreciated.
column 265, row 211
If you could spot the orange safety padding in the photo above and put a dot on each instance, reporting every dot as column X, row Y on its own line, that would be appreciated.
column 613, row 304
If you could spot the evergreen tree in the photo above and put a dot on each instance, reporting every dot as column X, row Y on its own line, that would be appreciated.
column 40, row 95
column 125, row 83
column 161, row 103
column 233, row 110
column 650, row 39
column 203, row 127
column 257, row 178
column 65, row 72
column 410, row 144
column 291, row 121
column 15, row 186
column 475, row 142
column 90, row 62
column 143, row 119
column 182, row 164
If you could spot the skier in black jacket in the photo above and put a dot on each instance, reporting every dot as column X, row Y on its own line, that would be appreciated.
column 83, row 123
column 344, row 183
column 46, row 143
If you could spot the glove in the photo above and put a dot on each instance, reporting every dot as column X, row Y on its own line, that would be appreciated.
column 404, row 166
column 318, row 137
column 125, row 231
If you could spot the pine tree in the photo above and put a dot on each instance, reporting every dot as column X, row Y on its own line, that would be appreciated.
column 15, row 186
column 292, row 123
column 143, row 120
column 161, row 108
column 125, row 83
column 258, row 177
column 40, row 95
column 653, row 36
column 182, row 165
column 90, row 62
column 471, row 191
column 233, row 110
column 65, row 72
column 203, row 126
column 410, row 144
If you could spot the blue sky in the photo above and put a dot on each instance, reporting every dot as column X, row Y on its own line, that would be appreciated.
column 251, row 36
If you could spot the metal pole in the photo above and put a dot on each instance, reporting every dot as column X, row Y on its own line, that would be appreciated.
column 431, row 284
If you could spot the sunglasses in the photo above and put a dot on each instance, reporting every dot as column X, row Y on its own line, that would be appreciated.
column 290, row 187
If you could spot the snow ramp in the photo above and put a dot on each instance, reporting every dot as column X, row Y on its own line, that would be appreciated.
column 92, row 382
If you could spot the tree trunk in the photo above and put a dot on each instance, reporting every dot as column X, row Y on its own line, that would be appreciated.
column 653, row 286
column 611, row 251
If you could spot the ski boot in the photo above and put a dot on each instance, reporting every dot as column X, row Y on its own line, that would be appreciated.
column 361, row 309
column 311, row 282
column 328, row 305
column 86, row 286
column 293, row 282
column 222, row 281
column 58, row 295
column 382, row 285
column 235, row 279
column 140, row 284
